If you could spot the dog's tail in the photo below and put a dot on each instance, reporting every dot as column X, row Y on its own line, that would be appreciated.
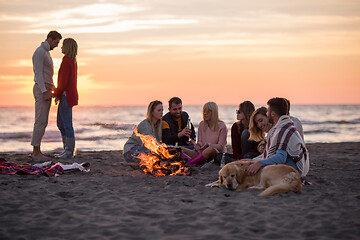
column 291, row 182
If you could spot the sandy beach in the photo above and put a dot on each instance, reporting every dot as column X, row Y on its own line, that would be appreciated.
column 115, row 201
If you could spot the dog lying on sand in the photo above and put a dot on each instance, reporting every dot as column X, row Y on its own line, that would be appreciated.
column 271, row 178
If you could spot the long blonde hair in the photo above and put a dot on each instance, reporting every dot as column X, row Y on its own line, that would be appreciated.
column 256, row 134
column 214, row 120
column 157, row 127
column 70, row 48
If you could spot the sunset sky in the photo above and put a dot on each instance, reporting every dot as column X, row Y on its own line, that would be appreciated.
column 132, row 51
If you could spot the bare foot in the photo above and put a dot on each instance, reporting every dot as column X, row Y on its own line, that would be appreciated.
column 40, row 157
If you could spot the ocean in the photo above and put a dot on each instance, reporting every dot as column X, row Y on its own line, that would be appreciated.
column 107, row 128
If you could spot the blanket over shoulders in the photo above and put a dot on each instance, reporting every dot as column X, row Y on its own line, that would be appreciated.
column 284, row 136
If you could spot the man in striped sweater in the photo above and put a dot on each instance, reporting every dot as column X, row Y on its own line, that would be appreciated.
column 284, row 144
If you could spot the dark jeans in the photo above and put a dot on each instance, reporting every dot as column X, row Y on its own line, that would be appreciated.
column 191, row 147
column 230, row 158
column 251, row 155
column 64, row 118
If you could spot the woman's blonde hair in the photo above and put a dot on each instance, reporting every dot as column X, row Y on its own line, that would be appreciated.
column 256, row 134
column 70, row 48
column 214, row 120
column 157, row 127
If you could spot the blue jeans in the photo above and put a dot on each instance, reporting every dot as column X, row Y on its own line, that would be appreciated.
column 64, row 118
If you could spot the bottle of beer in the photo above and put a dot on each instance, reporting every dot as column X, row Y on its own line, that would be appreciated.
column 188, row 125
column 222, row 161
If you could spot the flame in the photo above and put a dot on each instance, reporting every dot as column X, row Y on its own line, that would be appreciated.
column 158, row 164
column 151, row 143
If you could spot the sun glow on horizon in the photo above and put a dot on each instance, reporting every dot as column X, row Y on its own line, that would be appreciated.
column 133, row 52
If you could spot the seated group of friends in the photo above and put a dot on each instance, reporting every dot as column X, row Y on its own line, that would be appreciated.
column 265, row 135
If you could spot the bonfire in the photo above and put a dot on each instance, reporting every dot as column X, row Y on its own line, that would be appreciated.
column 162, row 160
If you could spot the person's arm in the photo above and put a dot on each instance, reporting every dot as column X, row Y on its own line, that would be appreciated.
column 63, row 79
column 235, row 142
column 300, row 129
column 278, row 158
column 199, row 143
column 38, row 62
column 222, row 138
column 145, row 128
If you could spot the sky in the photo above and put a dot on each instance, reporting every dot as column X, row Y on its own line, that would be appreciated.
column 134, row 51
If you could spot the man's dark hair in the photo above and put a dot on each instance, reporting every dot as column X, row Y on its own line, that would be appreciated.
column 288, row 103
column 54, row 35
column 174, row 100
column 278, row 105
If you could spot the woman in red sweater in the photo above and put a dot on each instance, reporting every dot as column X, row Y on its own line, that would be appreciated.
column 66, row 92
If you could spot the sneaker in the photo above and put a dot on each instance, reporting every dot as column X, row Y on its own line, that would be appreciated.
column 65, row 154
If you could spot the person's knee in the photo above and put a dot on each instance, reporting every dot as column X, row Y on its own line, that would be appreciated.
column 210, row 152
column 41, row 124
column 215, row 151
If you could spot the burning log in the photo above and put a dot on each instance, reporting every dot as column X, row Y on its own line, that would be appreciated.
column 156, row 165
column 162, row 160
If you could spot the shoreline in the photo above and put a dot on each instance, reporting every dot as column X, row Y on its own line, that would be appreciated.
column 228, row 146
column 115, row 201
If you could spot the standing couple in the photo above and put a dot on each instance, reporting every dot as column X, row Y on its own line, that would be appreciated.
column 65, row 93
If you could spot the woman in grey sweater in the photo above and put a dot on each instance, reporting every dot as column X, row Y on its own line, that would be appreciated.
column 151, row 125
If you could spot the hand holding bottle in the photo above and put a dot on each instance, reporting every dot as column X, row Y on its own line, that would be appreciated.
column 261, row 146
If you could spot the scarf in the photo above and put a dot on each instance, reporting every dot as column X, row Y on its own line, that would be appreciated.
column 284, row 136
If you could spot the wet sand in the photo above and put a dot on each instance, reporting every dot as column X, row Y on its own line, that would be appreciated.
column 115, row 201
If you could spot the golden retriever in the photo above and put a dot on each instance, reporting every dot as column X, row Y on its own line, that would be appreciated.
column 271, row 178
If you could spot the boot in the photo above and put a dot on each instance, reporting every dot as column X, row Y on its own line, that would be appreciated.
column 64, row 144
column 69, row 149
column 185, row 156
column 64, row 141
column 197, row 159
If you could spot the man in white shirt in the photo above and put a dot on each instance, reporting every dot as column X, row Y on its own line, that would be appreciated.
column 43, row 70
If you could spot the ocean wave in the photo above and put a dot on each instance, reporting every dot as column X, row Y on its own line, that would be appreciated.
column 318, row 132
column 21, row 137
column 16, row 135
column 114, row 126
column 100, row 138
column 339, row 122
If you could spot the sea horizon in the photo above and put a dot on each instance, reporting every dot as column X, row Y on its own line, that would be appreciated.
column 166, row 104
column 99, row 128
